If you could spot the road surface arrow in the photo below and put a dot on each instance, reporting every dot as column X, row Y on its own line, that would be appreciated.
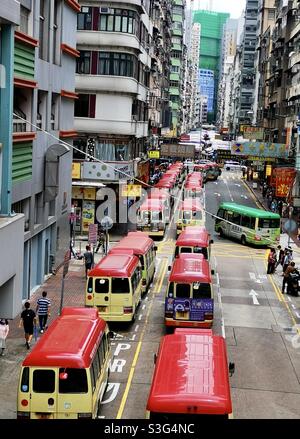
column 254, row 297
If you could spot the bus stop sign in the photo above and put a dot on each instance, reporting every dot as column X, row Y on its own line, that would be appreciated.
column 107, row 223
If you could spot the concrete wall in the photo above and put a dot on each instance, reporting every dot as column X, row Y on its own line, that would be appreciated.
column 11, row 263
column 10, row 11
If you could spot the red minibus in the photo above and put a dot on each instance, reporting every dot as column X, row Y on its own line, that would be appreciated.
column 194, row 239
column 152, row 217
column 189, row 297
column 191, row 378
column 66, row 373
column 139, row 244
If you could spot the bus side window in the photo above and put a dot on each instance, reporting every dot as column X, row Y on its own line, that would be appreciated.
column 134, row 281
column 176, row 251
column 236, row 218
column 101, row 286
column 220, row 213
column 25, row 380
column 93, row 379
column 96, row 365
column 246, row 221
column 141, row 258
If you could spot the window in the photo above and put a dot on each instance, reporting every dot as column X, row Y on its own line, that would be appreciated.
column 85, row 106
column 248, row 222
column 43, row 381
column 55, row 98
column 56, row 54
column 119, row 20
column 44, row 30
column 101, row 286
column 183, row 290
column 203, row 292
column 120, row 285
column 236, row 218
column 202, row 250
column 271, row 14
column 220, row 213
column 156, row 216
column 25, row 380
column 171, row 289
column 186, row 249
column 84, row 19
column 76, row 381
column 24, row 17
column 83, row 63
column 117, row 64
column 268, row 223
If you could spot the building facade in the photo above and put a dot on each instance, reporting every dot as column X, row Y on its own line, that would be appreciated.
column 210, row 60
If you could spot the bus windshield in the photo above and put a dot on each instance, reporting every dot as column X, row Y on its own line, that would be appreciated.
column 264, row 223
column 183, row 290
column 120, row 285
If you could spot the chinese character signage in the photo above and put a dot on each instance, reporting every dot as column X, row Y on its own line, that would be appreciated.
column 131, row 190
column 284, row 181
column 153, row 154
column 252, row 133
column 279, row 150
column 76, row 170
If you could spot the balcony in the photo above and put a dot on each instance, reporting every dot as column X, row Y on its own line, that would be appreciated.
column 294, row 58
column 100, row 38
column 293, row 91
column 116, row 84
column 118, row 127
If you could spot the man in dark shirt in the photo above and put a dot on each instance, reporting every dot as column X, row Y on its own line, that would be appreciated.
column 28, row 318
column 88, row 259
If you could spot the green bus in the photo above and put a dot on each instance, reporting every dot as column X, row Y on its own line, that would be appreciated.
column 248, row 225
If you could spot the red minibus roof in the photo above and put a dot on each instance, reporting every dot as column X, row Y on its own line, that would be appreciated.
column 190, row 267
column 115, row 265
column 138, row 243
column 191, row 375
column 158, row 193
column 152, row 204
column 196, row 229
column 193, row 184
column 193, row 239
column 69, row 341
column 191, row 204
column 164, row 183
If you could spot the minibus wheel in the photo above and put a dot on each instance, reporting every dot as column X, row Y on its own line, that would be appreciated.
column 243, row 240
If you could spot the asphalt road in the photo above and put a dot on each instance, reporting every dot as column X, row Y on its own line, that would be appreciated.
column 260, row 337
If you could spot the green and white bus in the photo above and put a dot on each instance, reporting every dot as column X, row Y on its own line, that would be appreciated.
column 249, row 225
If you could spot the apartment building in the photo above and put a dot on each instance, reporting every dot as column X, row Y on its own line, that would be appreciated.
column 38, row 172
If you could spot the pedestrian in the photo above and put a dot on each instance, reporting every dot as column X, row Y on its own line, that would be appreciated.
column 88, row 259
column 280, row 206
column 43, row 310
column 28, row 319
column 264, row 190
column 280, row 256
column 101, row 240
column 271, row 261
column 4, row 329
column 290, row 269
column 288, row 257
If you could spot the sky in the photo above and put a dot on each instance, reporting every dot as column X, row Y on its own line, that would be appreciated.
column 234, row 7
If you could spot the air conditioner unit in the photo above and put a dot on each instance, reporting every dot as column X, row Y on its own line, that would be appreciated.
column 104, row 10
column 295, row 12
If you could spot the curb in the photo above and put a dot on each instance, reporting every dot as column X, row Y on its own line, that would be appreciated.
column 254, row 194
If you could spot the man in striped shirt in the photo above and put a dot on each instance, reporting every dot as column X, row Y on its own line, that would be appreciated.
column 43, row 310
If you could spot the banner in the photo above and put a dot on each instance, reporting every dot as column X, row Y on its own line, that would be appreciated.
column 131, row 190
column 261, row 149
column 88, row 214
column 76, row 170
column 153, row 154
column 284, row 181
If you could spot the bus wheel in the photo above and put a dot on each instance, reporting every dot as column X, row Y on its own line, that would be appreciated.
column 243, row 240
column 221, row 233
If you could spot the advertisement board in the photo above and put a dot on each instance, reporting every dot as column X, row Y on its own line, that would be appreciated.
column 131, row 190
column 284, row 181
column 88, row 214
column 261, row 149
column 252, row 133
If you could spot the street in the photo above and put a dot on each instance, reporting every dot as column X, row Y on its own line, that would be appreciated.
column 256, row 319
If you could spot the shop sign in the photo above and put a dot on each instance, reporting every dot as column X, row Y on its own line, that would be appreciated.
column 89, row 193
column 93, row 233
column 261, row 149
column 108, row 171
column 153, row 154
column 76, row 170
column 131, row 190
column 284, row 181
column 252, row 133
column 242, row 127
column 256, row 158
column 77, row 192
column 268, row 170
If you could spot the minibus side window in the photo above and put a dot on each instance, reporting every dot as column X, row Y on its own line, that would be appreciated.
column 197, row 214
column 101, row 286
column 183, row 290
column 96, row 365
column 76, row 381
column 141, row 258
column 203, row 292
column 120, row 285
column 25, row 380
column 43, row 381
column 176, row 251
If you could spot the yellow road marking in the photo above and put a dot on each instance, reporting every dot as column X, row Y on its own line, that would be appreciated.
column 138, row 349
column 238, row 256
column 252, row 195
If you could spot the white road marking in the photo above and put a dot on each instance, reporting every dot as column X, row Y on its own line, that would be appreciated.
column 293, row 306
column 144, row 306
column 289, row 299
column 297, row 314
column 136, row 328
column 140, row 317
column 254, row 297
column 252, row 276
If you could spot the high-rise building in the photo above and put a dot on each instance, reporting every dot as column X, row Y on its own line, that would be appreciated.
column 178, row 71
column 211, row 42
